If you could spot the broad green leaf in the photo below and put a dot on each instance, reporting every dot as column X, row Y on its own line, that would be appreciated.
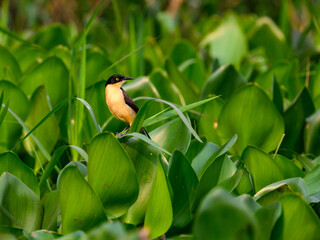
column 182, row 51
column 267, row 218
column 144, row 158
column 51, row 211
column 299, row 219
column 218, row 211
column 227, row 43
column 52, row 36
column 294, row 118
column 312, row 134
column 195, row 148
column 194, row 70
column 224, row 81
column 80, row 206
column 48, row 132
column 53, row 74
column 110, row 231
column 314, row 87
column 266, row 34
column 184, row 183
column 204, row 159
column 187, row 88
column 172, row 135
column 251, row 114
column 201, row 159
column 219, row 170
column 9, row 129
column 96, row 63
column 276, row 93
column 287, row 167
column 9, row 67
column 159, row 213
column 20, row 206
column 77, row 235
column 272, row 192
column 140, row 117
column 10, row 162
column 263, row 169
column 167, row 90
column 44, row 235
column 29, row 56
column 208, row 120
column 312, row 180
column 55, row 159
column 232, row 182
column 95, row 95
column 108, row 163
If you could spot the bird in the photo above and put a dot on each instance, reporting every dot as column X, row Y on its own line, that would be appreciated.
column 120, row 105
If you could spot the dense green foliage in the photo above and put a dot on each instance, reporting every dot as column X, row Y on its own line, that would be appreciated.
column 231, row 100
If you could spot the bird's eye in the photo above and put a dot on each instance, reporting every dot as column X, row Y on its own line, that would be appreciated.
column 117, row 79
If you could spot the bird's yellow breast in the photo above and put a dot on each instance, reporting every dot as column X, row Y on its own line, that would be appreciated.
column 117, row 105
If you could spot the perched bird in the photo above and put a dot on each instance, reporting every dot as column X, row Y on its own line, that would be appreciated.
column 121, row 106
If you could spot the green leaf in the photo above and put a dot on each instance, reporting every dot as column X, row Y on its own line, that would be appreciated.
column 312, row 134
column 53, row 74
column 9, row 67
column 187, row 89
column 224, row 81
column 287, row 167
column 144, row 158
column 219, row 170
column 168, row 91
column 52, row 36
column 51, row 211
column 184, row 183
column 80, row 207
column 218, row 211
column 20, row 206
column 254, row 158
column 251, row 114
column 267, row 218
column 201, row 159
column 10, row 162
column 276, row 93
column 312, row 180
column 140, row 117
column 110, row 231
column 10, row 131
column 294, row 118
column 208, row 155
column 55, row 159
column 147, row 140
column 159, row 211
column 182, row 51
column 108, row 163
column 299, row 220
column 272, row 192
column 194, row 70
column 176, row 111
column 172, row 135
column 227, row 42
column 208, row 120
column 48, row 132
column 266, row 34
column 96, row 63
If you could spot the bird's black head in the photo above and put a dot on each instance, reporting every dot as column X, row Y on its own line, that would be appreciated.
column 116, row 78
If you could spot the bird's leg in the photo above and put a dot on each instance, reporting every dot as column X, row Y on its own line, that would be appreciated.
column 123, row 132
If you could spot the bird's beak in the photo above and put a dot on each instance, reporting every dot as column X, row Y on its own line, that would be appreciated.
column 128, row 78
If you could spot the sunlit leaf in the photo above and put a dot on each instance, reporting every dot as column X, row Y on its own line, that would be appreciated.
column 159, row 213
column 80, row 207
column 108, row 163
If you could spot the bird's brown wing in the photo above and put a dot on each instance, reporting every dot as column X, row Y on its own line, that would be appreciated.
column 129, row 101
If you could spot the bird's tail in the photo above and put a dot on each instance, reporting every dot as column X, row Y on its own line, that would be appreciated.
column 145, row 132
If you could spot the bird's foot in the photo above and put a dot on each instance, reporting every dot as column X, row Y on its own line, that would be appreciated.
column 123, row 132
